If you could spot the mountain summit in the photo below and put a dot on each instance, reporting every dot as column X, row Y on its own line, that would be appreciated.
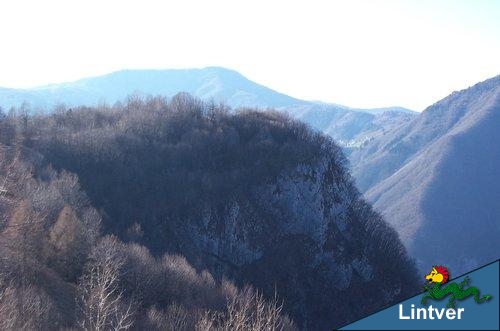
column 220, row 84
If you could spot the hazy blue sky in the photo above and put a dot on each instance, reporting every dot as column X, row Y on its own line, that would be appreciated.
column 357, row 53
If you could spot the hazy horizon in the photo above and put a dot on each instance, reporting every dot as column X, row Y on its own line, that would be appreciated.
column 356, row 53
column 50, row 84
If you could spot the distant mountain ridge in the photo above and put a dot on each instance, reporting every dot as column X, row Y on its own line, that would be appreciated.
column 218, row 83
column 349, row 126
column 212, row 82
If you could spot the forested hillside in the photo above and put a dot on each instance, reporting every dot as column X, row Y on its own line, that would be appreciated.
column 167, row 209
column 436, row 179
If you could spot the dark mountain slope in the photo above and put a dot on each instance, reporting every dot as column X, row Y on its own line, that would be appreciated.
column 57, row 272
column 443, row 200
column 253, row 196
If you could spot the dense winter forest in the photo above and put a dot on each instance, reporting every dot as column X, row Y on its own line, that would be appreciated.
column 178, row 215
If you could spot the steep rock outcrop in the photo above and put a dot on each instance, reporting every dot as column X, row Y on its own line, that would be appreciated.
column 309, row 236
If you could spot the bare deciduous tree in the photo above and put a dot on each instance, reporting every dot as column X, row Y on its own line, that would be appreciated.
column 13, row 172
column 102, row 305
column 247, row 310
column 23, row 236
column 25, row 308
column 174, row 318
column 69, row 243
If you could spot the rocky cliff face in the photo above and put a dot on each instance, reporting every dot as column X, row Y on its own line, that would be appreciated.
column 308, row 235
column 301, row 201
